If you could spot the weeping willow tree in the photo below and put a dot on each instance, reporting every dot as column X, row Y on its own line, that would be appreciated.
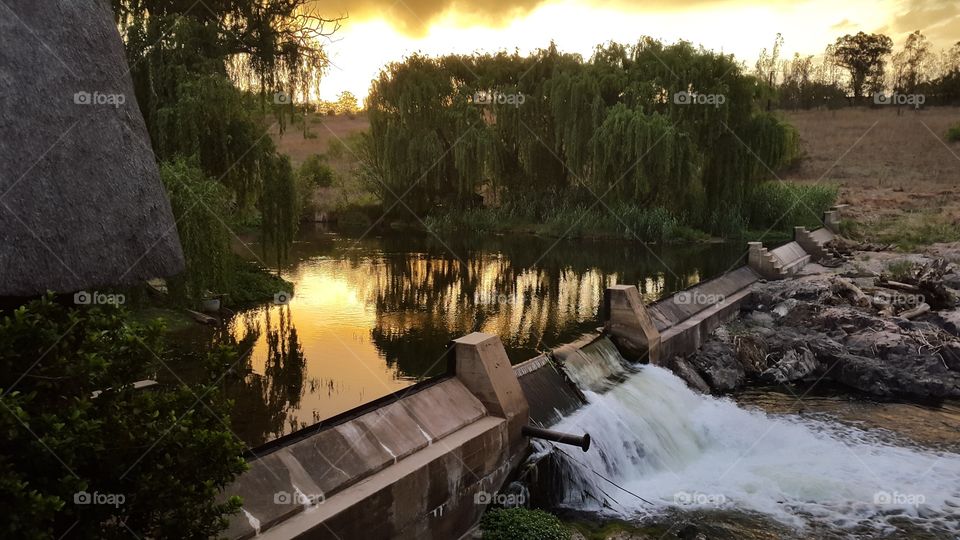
column 204, row 76
column 610, row 125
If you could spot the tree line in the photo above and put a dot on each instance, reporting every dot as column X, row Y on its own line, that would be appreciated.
column 857, row 67
column 650, row 125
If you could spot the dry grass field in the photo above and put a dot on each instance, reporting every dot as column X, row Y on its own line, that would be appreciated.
column 898, row 172
column 324, row 129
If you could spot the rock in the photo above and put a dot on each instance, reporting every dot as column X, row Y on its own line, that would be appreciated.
column 681, row 368
column 947, row 320
column 795, row 365
column 717, row 363
column 951, row 356
column 872, row 343
column 906, row 375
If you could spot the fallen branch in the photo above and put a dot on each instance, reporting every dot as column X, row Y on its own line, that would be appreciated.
column 915, row 312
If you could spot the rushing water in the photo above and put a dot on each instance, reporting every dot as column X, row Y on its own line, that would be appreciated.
column 373, row 314
column 685, row 452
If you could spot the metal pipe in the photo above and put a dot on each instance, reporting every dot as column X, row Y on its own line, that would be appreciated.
column 583, row 441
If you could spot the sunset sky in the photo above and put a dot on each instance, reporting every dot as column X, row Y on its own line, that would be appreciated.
column 380, row 31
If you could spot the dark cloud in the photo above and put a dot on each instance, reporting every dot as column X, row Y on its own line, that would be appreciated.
column 413, row 17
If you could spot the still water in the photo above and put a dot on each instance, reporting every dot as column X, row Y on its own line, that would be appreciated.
column 372, row 315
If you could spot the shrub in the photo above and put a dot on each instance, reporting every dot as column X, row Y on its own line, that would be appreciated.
column 900, row 270
column 158, row 456
column 315, row 172
column 336, row 149
column 522, row 524
column 953, row 134
column 785, row 205
column 201, row 207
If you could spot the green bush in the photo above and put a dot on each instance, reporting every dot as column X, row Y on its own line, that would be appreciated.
column 900, row 270
column 253, row 284
column 953, row 134
column 201, row 207
column 522, row 524
column 315, row 172
column 149, row 463
column 783, row 205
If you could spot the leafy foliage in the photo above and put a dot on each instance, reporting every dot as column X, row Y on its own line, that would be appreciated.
column 162, row 455
column 863, row 55
column 187, row 62
column 953, row 134
column 522, row 524
column 200, row 206
column 609, row 127
column 776, row 203
column 315, row 172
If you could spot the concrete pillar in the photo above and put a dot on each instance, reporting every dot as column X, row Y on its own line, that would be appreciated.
column 625, row 318
column 831, row 220
column 755, row 256
column 483, row 367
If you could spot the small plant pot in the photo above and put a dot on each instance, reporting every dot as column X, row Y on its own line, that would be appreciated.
column 210, row 305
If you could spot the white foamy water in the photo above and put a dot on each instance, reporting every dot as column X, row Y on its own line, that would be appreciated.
column 682, row 450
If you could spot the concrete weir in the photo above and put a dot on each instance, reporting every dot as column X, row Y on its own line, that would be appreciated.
column 416, row 465
column 423, row 463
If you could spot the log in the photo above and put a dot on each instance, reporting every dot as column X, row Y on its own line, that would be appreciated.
column 201, row 318
column 915, row 312
column 852, row 291
column 901, row 286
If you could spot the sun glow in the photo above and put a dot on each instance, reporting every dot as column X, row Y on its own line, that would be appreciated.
column 364, row 46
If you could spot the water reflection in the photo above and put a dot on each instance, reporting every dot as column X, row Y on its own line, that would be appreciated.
column 372, row 316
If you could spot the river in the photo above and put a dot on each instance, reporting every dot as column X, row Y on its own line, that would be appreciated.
column 372, row 314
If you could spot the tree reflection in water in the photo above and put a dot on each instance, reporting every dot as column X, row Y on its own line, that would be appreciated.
column 264, row 397
column 373, row 315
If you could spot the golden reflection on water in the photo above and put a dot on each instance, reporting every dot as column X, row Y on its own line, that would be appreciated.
column 367, row 320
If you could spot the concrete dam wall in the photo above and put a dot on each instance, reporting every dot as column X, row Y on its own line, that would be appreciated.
column 423, row 463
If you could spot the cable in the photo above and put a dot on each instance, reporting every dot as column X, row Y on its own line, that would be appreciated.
column 621, row 488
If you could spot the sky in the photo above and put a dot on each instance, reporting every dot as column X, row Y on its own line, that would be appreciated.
column 377, row 32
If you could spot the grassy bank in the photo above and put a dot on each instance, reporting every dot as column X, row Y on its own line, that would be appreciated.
column 907, row 232
column 770, row 211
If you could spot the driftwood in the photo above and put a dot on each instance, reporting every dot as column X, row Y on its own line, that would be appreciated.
column 927, row 281
column 900, row 286
column 202, row 318
column 916, row 312
column 846, row 288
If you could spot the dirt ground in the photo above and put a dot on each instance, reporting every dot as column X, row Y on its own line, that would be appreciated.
column 325, row 129
column 889, row 167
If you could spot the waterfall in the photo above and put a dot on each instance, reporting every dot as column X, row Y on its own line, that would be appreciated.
column 680, row 450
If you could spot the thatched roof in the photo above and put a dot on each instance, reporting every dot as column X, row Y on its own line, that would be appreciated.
column 81, row 203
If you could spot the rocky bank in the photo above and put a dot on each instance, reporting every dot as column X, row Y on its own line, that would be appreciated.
column 880, row 323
